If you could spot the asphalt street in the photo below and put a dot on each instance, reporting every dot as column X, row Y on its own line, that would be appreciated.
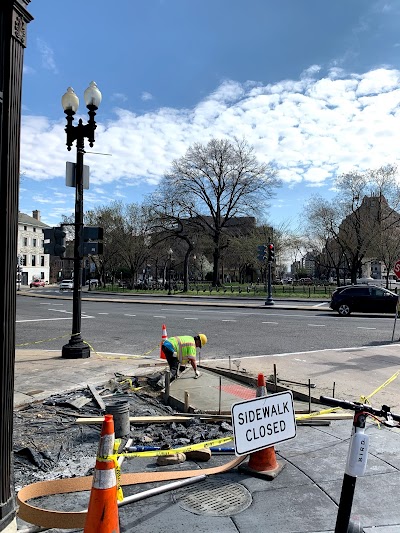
column 135, row 328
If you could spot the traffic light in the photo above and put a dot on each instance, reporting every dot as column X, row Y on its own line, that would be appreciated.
column 261, row 252
column 56, row 241
column 92, row 234
column 271, row 253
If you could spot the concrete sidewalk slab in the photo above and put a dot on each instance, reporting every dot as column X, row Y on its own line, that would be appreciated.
column 41, row 373
column 354, row 372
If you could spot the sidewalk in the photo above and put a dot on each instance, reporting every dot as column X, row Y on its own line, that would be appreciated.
column 303, row 498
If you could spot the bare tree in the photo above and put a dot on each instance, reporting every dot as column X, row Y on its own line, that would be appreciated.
column 216, row 182
column 355, row 224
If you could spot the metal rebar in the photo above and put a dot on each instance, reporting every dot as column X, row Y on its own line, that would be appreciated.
column 275, row 379
column 220, row 394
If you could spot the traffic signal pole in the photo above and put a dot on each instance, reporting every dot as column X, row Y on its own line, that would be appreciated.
column 269, row 300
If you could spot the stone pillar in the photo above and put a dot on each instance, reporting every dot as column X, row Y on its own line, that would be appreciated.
column 13, row 23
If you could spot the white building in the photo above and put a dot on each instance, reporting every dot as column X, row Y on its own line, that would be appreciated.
column 35, row 264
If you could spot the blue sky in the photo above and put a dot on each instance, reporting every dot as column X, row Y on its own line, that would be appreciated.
column 312, row 85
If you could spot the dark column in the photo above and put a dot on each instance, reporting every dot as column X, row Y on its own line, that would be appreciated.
column 13, row 22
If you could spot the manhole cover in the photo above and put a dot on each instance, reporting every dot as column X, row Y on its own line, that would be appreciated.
column 213, row 497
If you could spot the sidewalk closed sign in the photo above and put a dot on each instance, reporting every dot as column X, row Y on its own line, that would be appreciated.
column 260, row 423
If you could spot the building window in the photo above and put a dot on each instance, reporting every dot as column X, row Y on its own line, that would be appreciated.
column 25, row 228
column 24, row 260
column 33, row 260
column 42, row 261
column 42, row 275
column 25, row 241
column 34, row 229
column 34, row 242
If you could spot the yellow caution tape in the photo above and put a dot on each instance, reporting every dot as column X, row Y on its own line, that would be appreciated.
column 45, row 340
column 155, row 453
column 171, row 451
column 318, row 413
column 365, row 399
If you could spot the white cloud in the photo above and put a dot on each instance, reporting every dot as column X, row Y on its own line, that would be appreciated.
column 119, row 97
column 26, row 69
column 146, row 96
column 311, row 129
column 47, row 54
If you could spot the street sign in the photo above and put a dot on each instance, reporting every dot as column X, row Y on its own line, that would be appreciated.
column 260, row 423
column 397, row 268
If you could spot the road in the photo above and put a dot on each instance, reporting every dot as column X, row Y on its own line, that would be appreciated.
column 135, row 328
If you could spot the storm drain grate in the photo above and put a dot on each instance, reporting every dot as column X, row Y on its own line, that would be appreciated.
column 213, row 497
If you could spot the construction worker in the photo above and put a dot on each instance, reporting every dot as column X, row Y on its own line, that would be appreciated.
column 180, row 351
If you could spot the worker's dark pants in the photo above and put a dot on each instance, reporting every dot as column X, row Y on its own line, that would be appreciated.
column 172, row 361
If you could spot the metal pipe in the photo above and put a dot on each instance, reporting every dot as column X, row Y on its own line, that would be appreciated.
column 161, row 490
column 220, row 394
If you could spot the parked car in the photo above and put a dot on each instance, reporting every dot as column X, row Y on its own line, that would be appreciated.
column 305, row 281
column 37, row 283
column 66, row 284
column 363, row 299
column 93, row 282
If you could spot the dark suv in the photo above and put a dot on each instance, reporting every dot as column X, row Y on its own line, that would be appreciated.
column 363, row 299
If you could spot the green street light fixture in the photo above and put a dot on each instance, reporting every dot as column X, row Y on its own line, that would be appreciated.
column 76, row 348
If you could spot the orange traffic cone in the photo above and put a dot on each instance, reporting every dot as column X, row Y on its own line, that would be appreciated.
column 163, row 337
column 102, row 515
column 263, row 463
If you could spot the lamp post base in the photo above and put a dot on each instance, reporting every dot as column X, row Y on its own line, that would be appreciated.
column 75, row 350
column 269, row 301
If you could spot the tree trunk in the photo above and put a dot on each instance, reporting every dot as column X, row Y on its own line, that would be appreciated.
column 216, row 257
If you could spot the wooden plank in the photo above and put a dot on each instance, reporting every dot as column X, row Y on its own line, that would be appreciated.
column 96, row 396
column 137, row 420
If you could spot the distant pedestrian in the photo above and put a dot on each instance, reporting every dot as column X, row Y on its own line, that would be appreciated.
column 181, row 350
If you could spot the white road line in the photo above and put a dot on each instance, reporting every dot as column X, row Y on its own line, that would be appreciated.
column 129, row 315
column 159, row 316
column 275, row 323
column 227, row 320
column 190, row 318
column 46, row 303
column 316, row 325
column 360, row 327
column 103, row 313
column 321, row 304
column 45, row 319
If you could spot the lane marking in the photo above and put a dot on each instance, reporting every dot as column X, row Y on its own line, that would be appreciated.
column 389, row 345
column 321, row 304
column 228, row 320
column 190, row 318
column 275, row 323
column 50, row 319
column 361, row 327
column 129, row 315
column 159, row 316
column 103, row 313
column 316, row 325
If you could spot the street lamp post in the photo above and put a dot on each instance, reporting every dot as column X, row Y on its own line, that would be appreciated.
column 169, row 271
column 76, row 348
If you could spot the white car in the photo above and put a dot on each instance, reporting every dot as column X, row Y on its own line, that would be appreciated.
column 66, row 284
